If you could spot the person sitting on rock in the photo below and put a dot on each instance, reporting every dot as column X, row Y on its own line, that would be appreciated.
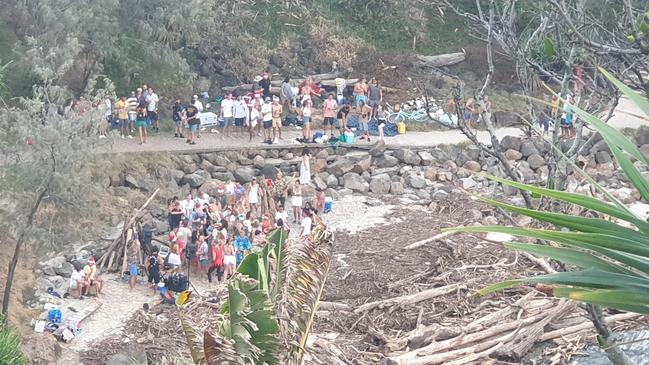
column 78, row 281
column 90, row 272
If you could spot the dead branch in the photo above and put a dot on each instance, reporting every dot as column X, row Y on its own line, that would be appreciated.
column 410, row 299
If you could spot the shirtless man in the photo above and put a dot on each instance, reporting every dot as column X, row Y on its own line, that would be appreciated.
column 277, row 110
column 90, row 272
column 468, row 112
column 229, row 260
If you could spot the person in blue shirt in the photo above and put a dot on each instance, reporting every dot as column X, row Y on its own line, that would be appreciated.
column 242, row 245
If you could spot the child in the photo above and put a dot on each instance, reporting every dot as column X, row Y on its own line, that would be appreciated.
column 306, row 223
column 305, row 112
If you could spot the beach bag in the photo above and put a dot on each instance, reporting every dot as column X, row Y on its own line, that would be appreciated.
column 54, row 315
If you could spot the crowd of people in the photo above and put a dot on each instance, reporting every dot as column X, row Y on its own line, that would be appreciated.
column 253, row 114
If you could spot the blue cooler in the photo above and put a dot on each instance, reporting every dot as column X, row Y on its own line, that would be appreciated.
column 329, row 204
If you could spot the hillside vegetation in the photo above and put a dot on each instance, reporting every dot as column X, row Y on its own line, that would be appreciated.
column 200, row 45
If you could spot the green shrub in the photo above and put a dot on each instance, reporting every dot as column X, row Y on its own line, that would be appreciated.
column 10, row 340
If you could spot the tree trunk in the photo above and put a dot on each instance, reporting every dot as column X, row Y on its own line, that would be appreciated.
column 19, row 244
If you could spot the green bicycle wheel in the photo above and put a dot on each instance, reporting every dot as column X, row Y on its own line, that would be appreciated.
column 396, row 117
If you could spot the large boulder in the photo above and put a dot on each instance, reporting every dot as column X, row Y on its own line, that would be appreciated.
column 386, row 161
column 177, row 175
column 407, row 156
column 219, row 160
column 378, row 149
column 211, row 187
column 258, row 162
column 535, row 161
column 511, row 143
column 319, row 183
column 380, row 184
column 332, row 181
column 416, row 181
column 513, row 155
column 602, row 157
column 642, row 136
column 244, row 174
column 362, row 165
column 319, row 165
column 323, row 153
column 506, row 119
column 396, row 188
column 426, row 157
column 355, row 182
column 528, row 148
column 51, row 266
column 137, row 182
column 194, row 180
column 472, row 166
column 341, row 167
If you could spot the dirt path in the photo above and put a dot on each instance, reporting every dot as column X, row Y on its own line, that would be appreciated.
column 627, row 116
column 117, row 305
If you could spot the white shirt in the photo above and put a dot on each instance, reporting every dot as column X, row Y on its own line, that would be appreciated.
column 254, row 114
column 227, row 106
column 153, row 102
column 240, row 109
column 107, row 105
column 198, row 105
column 188, row 206
column 306, row 225
column 204, row 200
column 281, row 215
column 173, row 259
column 229, row 188
column 306, row 111
column 76, row 276
column 267, row 112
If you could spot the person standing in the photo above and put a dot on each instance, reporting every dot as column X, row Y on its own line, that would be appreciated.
column 305, row 112
column 242, row 245
column 305, row 168
column 152, row 109
column 296, row 200
column 264, row 83
column 360, row 92
column 341, row 85
column 140, row 123
column 227, row 114
column 375, row 96
column 132, row 111
column 153, row 268
column 342, row 116
column 177, row 116
column 122, row 116
column 253, row 196
column 133, row 261
column 277, row 111
column 217, row 259
column 286, row 93
column 191, row 113
column 329, row 108
column 364, row 112
column 197, row 103
column 108, row 116
column 468, row 112
column 253, row 121
column 305, row 225
column 267, row 119
column 241, row 113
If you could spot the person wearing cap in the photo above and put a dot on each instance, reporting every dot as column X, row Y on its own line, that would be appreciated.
column 197, row 103
column 267, row 119
column 277, row 111
column 264, row 83
column 241, row 113
column 90, row 272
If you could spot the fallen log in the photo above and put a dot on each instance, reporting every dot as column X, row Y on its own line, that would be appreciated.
column 586, row 325
column 410, row 299
column 334, row 306
column 428, row 240
column 441, row 60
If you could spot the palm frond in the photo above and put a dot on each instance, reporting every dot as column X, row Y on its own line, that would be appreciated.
column 220, row 351
column 307, row 268
column 195, row 349
column 612, row 259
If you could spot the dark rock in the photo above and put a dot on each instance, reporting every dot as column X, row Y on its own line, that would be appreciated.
column 269, row 171
column 505, row 119
column 513, row 155
column 528, row 148
column 439, row 195
column 407, row 156
column 396, row 188
column 472, row 166
column 427, row 159
column 535, row 161
column 511, row 143
column 341, row 167
column 363, row 165
column 380, row 184
column 194, row 180
column 510, row 190
column 642, row 136
column 415, row 181
column 602, row 157
column 136, row 182
column 386, row 161
column 177, row 175
column 355, row 182
column 378, row 149
column 244, row 174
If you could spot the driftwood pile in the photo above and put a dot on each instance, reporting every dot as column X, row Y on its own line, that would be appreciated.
column 115, row 257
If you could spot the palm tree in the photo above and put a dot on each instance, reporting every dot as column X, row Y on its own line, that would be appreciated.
column 271, row 305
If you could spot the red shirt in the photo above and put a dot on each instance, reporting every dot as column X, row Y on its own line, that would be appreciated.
column 217, row 255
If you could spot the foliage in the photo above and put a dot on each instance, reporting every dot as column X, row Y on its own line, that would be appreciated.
column 271, row 306
column 610, row 250
column 10, row 345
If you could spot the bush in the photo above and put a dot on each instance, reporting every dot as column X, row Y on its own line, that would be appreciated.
column 10, row 353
